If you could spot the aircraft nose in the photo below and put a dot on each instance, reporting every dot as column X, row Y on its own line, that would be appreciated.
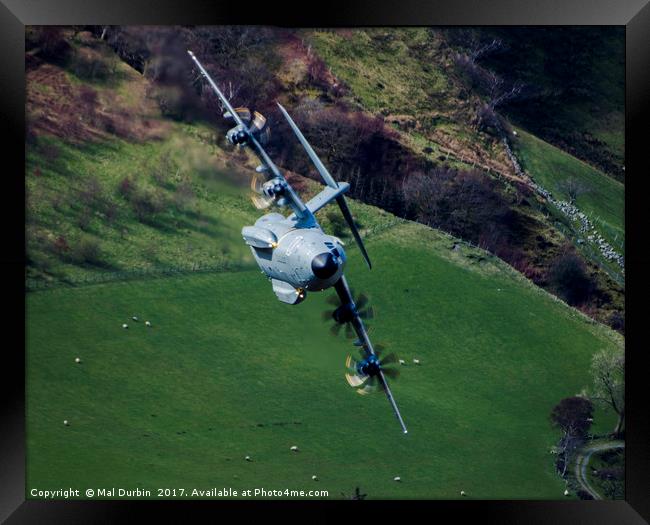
column 324, row 265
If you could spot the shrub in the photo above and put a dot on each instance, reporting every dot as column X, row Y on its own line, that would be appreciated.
column 90, row 65
column 147, row 204
column 91, row 194
column 617, row 321
column 464, row 203
column 184, row 195
column 111, row 213
column 50, row 152
column 60, row 246
column 568, row 276
column 84, row 218
column 86, row 251
column 126, row 187
column 88, row 103
column 161, row 172
column 317, row 72
column 52, row 44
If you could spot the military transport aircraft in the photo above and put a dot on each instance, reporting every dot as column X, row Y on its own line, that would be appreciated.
column 296, row 254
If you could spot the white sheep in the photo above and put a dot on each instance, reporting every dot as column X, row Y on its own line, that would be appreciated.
column 314, row 477
column 416, row 361
column 397, row 478
column 66, row 422
column 77, row 360
column 125, row 325
column 402, row 362
column 135, row 318
column 462, row 492
column 248, row 458
column 147, row 323
column 294, row 448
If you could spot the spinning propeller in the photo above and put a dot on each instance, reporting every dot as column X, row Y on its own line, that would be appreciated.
column 365, row 374
column 344, row 314
column 255, row 123
column 260, row 200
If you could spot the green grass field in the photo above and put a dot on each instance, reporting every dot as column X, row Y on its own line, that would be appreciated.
column 228, row 371
column 603, row 198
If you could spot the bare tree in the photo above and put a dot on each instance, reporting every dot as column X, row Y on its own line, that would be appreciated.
column 496, row 90
column 574, row 188
column 608, row 370
column 480, row 49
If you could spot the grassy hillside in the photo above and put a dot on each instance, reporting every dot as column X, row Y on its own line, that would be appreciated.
column 412, row 78
column 576, row 87
column 181, row 403
column 407, row 76
column 118, row 194
column 600, row 197
column 123, row 176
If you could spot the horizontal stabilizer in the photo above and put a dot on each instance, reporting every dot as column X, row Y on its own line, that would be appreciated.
column 326, row 196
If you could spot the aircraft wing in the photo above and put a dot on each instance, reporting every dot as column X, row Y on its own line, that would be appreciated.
column 268, row 166
column 329, row 181
column 343, row 291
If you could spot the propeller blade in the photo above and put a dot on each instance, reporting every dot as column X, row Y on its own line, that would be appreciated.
column 260, row 202
column 260, row 126
column 243, row 113
column 333, row 300
column 355, row 380
column 370, row 386
column 259, row 121
column 393, row 373
column 369, row 313
column 361, row 301
column 257, row 185
column 327, row 315
column 336, row 329
column 349, row 332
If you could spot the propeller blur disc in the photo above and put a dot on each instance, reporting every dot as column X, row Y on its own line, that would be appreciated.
column 259, row 200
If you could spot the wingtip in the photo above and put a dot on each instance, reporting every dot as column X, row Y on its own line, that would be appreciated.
column 406, row 431
column 190, row 53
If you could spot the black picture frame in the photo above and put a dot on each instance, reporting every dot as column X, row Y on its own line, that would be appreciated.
column 16, row 14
